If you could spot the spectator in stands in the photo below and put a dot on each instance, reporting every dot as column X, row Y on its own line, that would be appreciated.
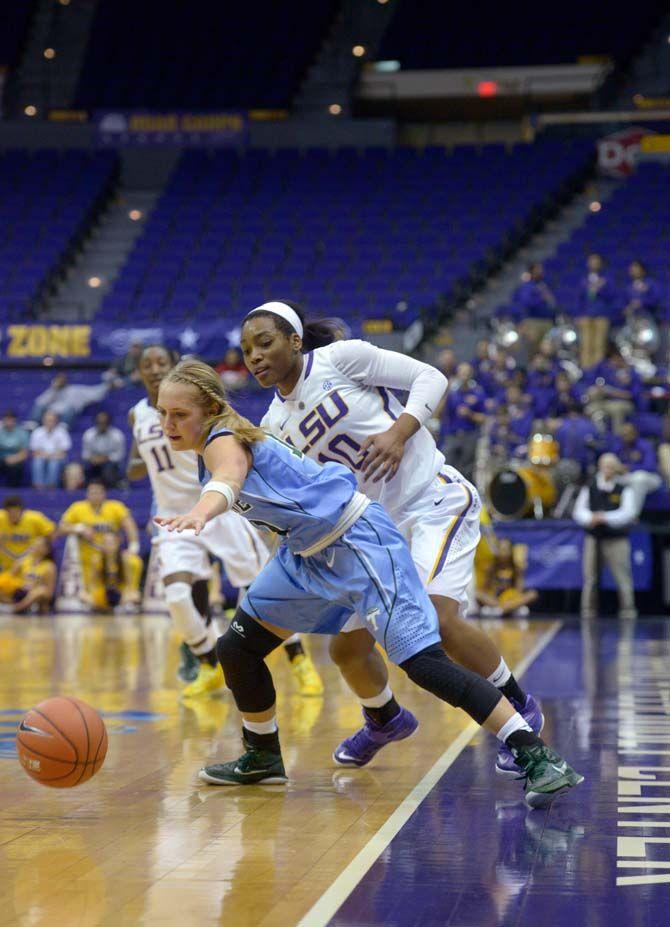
column 30, row 583
column 13, row 450
column 565, row 396
column 109, row 573
column 19, row 529
column 535, row 304
column 638, row 458
column 447, row 363
column 69, row 401
column 542, row 373
column 643, row 295
column 73, row 476
column 126, row 368
column 103, row 451
column 49, row 445
column 503, row 372
column 576, row 434
column 463, row 416
column 611, row 388
column 596, row 310
column 605, row 508
column 233, row 370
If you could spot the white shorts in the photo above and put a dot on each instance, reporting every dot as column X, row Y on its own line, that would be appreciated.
column 229, row 537
column 442, row 531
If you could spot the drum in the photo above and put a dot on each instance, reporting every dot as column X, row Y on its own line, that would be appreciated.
column 512, row 493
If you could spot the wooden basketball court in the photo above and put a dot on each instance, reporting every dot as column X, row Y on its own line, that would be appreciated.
column 144, row 843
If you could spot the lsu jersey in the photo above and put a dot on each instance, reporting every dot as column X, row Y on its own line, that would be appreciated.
column 108, row 519
column 342, row 397
column 173, row 474
column 16, row 539
column 308, row 505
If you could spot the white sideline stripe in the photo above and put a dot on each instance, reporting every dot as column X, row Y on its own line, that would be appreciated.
column 337, row 893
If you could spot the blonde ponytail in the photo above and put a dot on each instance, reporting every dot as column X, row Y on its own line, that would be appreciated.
column 211, row 392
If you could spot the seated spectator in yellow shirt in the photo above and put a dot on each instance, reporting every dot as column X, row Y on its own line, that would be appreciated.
column 19, row 529
column 503, row 592
column 31, row 582
column 110, row 574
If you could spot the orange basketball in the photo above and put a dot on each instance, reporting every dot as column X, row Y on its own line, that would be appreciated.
column 62, row 742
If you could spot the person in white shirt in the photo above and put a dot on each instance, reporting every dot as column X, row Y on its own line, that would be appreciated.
column 184, row 558
column 103, row 450
column 334, row 401
column 606, row 509
column 68, row 400
column 49, row 445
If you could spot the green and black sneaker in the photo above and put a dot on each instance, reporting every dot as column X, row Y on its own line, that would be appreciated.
column 546, row 774
column 189, row 666
column 252, row 768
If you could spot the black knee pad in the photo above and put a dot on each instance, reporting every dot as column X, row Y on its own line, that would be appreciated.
column 434, row 671
column 200, row 596
column 241, row 652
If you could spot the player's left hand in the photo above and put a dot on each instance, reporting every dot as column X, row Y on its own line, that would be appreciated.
column 182, row 523
column 382, row 454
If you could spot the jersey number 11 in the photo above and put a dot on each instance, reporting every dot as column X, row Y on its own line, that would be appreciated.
column 164, row 452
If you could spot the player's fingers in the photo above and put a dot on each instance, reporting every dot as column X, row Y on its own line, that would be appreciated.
column 367, row 443
column 371, row 456
column 374, row 465
column 385, row 469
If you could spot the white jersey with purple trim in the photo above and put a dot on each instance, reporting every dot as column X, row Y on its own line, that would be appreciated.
column 173, row 474
column 176, row 488
column 342, row 397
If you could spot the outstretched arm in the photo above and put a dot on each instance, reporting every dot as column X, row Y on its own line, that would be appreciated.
column 229, row 463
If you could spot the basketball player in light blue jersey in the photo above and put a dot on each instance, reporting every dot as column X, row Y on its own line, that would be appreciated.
column 333, row 400
column 340, row 554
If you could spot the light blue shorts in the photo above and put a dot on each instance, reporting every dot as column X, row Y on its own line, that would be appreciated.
column 368, row 571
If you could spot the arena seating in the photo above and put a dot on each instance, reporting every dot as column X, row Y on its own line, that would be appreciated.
column 47, row 198
column 632, row 225
column 359, row 234
column 434, row 34
column 141, row 54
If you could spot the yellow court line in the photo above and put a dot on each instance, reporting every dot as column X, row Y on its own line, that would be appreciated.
column 335, row 896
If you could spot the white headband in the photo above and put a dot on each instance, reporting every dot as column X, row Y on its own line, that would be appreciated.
column 281, row 309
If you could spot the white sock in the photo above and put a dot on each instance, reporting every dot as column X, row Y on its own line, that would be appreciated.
column 377, row 701
column 501, row 675
column 516, row 723
column 293, row 639
column 261, row 727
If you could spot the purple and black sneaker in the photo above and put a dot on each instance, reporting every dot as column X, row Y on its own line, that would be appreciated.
column 532, row 714
column 364, row 745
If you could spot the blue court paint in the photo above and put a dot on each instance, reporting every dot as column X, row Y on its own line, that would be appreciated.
column 473, row 855
column 114, row 721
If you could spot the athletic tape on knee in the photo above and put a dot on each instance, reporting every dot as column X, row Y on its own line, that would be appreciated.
column 241, row 652
column 434, row 671
column 187, row 619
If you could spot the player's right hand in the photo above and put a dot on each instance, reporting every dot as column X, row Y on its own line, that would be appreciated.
column 182, row 523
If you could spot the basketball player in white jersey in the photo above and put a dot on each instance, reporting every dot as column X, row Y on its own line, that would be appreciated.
column 184, row 559
column 333, row 402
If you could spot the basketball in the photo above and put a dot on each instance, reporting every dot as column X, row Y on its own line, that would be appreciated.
column 62, row 742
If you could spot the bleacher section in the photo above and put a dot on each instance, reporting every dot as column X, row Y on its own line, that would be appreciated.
column 632, row 225
column 434, row 34
column 142, row 54
column 362, row 235
column 47, row 200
